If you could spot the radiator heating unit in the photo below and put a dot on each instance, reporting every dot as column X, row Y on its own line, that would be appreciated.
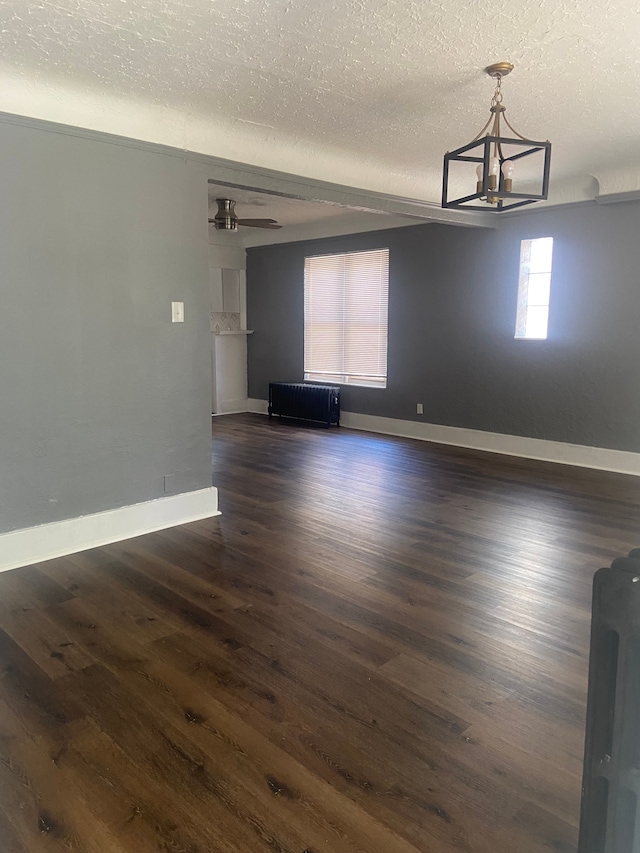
column 610, row 817
column 303, row 401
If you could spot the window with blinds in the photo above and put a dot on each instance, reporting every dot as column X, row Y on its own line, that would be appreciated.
column 346, row 301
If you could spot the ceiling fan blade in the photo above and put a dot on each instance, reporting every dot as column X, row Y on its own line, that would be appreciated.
column 259, row 223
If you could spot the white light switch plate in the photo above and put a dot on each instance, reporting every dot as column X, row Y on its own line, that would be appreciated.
column 177, row 312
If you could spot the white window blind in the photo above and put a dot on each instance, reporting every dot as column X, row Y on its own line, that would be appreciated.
column 346, row 300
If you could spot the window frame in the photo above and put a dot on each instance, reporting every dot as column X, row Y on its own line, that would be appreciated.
column 523, row 304
column 352, row 378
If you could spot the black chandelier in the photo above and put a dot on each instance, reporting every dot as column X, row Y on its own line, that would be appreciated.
column 496, row 157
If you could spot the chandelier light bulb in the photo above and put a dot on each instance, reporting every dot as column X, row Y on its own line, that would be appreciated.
column 494, row 171
column 507, row 171
column 480, row 175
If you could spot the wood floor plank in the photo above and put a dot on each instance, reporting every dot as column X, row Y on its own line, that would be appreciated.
column 41, row 814
column 96, row 586
column 30, row 693
column 195, row 584
column 162, row 751
column 49, row 647
column 283, row 714
column 196, row 706
column 381, row 646
column 126, row 799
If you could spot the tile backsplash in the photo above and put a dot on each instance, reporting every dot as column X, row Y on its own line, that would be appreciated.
column 225, row 321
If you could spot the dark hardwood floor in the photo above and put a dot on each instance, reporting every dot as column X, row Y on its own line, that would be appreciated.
column 380, row 647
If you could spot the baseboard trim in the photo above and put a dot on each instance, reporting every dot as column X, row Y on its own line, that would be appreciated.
column 46, row 541
column 562, row 453
column 237, row 408
column 258, row 407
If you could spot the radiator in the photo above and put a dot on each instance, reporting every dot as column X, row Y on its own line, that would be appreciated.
column 610, row 818
column 305, row 402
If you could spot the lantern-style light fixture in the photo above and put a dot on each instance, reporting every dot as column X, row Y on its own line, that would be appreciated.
column 498, row 161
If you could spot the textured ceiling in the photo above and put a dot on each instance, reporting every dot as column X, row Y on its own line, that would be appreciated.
column 367, row 92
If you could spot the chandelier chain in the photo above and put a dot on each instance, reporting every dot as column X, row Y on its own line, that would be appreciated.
column 497, row 95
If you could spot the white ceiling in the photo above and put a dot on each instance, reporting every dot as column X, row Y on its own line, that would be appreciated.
column 366, row 93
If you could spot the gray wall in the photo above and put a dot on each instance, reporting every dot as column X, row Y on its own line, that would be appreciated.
column 100, row 395
column 452, row 311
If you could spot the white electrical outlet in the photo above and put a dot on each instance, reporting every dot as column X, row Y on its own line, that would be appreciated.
column 419, row 409
column 177, row 312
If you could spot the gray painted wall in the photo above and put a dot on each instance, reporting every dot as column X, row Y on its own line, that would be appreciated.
column 100, row 395
column 452, row 310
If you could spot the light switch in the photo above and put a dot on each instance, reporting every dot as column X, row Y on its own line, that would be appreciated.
column 177, row 312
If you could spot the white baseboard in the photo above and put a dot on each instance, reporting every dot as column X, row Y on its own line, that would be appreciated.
column 259, row 407
column 600, row 458
column 35, row 544
column 233, row 407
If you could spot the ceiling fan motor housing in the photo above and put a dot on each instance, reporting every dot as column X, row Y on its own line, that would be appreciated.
column 225, row 219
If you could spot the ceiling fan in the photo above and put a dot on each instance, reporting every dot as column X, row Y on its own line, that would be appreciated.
column 226, row 219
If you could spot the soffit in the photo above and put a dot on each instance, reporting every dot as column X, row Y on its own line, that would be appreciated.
column 301, row 219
